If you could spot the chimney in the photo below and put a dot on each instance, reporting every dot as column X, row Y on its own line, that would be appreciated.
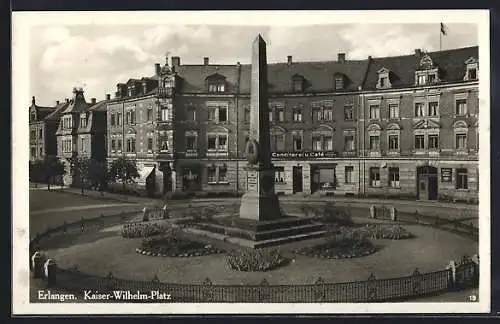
column 289, row 59
column 57, row 102
column 33, row 100
column 67, row 100
column 206, row 61
column 144, row 87
column 341, row 57
column 418, row 52
column 93, row 100
column 176, row 61
column 157, row 68
column 108, row 96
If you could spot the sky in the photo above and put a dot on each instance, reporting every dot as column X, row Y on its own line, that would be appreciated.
column 97, row 57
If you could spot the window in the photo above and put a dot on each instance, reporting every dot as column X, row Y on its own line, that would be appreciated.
column 222, row 115
column 271, row 115
column 421, row 80
column 150, row 144
column 339, row 82
column 471, row 74
column 297, row 142
column 419, row 109
column 216, row 87
column 130, row 145
column 297, row 85
column 191, row 114
column 279, row 174
column 165, row 114
column 383, row 82
column 222, row 174
column 212, row 174
column 432, row 78
column 433, row 109
column 118, row 119
column 33, row 152
column 328, row 143
column 40, row 151
column 462, row 179
column 394, row 111
column 83, row 121
column 217, row 174
column 327, row 178
column 374, row 112
column 217, row 113
column 317, row 145
column 375, row 177
column 83, row 144
column 374, row 143
column 212, row 113
column 112, row 120
column 394, row 177
column 217, row 143
column 317, row 115
column 277, row 142
column 131, row 117
column 40, row 134
column 348, row 113
column 349, row 170
column 460, row 141
column 164, row 141
column 393, row 142
column 119, row 145
column 328, row 114
column 113, row 144
column 461, row 107
column 433, row 142
column 191, row 144
column 419, row 142
column 348, row 143
column 297, row 115
column 33, row 135
column 149, row 113
column 212, row 142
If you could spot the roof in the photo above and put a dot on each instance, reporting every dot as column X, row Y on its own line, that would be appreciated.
column 193, row 76
column 318, row 76
column 99, row 106
column 451, row 64
column 58, row 109
column 77, row 104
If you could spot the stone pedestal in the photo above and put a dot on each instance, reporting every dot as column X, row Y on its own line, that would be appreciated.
column 260, row 201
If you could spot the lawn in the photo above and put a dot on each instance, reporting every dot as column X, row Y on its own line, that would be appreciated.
column 43, row 199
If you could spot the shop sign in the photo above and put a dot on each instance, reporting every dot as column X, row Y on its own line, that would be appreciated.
column 303, row 155
column 446, row 174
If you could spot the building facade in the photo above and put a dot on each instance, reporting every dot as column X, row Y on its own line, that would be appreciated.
column 405, row 126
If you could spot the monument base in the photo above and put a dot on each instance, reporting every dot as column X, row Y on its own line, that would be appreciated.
column 259, row 207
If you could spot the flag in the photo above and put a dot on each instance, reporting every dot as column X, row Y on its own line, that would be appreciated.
column 444, row 29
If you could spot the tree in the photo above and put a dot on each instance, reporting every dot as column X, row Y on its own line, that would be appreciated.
column 97, row 172
column 124, row 170
column 80, row 171
column 49, row 168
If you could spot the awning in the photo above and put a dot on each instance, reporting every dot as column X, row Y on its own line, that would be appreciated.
column 143, row 174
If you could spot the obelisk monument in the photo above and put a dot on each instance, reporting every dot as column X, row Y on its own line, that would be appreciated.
column 260, row 201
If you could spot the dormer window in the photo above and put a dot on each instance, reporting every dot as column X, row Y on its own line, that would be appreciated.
column 427, row 72
column 339, row 81
column 297, row 83
column 83, row 120
column 472, row 66
column 216, row 83
column 384, row 81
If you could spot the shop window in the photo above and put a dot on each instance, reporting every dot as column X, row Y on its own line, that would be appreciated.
column 375, row 177
column 462, row 179
column 349, row 173
column 279, row 174
column 394, row 177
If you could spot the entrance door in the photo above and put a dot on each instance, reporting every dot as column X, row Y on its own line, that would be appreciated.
column 427, row 184
column 297, row 179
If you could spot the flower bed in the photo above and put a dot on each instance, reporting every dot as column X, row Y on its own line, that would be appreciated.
column 341, row 244
column 255, row 260
column 389, row 232
column 134, row 230
column 167, row 245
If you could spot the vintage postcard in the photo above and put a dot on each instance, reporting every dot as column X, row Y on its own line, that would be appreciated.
column 283, row 162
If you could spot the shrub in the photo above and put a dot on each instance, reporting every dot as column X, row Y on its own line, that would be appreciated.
column 332, row 214
column 172, row 245
column 133, row 230
column 255, row 260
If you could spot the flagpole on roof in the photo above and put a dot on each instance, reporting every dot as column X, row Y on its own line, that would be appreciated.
column 440, row 36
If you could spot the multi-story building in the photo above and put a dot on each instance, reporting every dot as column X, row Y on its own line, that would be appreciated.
column 402, row 125
column 419, row 125
column 43, row 125
column 91, row 131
